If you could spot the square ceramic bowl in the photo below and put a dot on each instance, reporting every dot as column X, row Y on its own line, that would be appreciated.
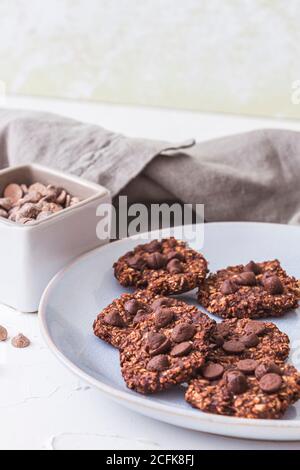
column 32, row 254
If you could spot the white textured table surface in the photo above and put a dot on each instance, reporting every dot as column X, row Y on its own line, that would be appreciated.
column 42, row 405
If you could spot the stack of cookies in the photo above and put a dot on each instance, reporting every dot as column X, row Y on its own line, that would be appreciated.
column 236, row 367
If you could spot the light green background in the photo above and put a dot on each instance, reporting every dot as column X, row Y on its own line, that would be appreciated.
column 239, row 56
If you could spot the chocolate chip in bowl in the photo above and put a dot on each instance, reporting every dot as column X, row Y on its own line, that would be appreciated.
column 166, row 267
column 40, row 234
column 256, row 290
column 26, row 204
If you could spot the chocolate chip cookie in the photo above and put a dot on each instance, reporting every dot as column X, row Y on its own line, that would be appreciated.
column 257, row 290
column 117, row 320
column 166, row 267
column 166, row 350
column 234, row 340
column 260, row 390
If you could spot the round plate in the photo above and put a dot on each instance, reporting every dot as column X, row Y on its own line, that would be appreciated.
column 74, row 297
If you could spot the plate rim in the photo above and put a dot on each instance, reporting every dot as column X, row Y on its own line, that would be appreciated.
column 137, row 399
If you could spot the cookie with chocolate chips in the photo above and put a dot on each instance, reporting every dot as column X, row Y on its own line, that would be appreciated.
column 166, row 267
column 165, row 350
column 244, row 393
column 117, row 320
column 234, row 340
column 257, row 290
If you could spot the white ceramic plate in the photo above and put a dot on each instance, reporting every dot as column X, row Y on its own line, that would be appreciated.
column 75, row 296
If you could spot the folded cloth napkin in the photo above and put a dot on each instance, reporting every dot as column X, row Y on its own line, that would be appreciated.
column 250, row 177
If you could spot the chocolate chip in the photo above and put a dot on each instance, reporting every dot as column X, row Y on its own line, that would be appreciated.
column 153, row 246
column 140, row 316
column 157, row 344
column 234, row 347
column 270, row 383
column 265, row 368
column 183, row 332
column 158, row 363
column 175, row 267
column 236, row 382
column 163, row 317
column 132, row 306
column 161, row 302
column 213, row 371
column 222, row 329
column 113, row 318
column 20, row 341
column 255, row 327
column 14, row 192
column 229, row 287
column 273, row 285
column 156, row 261
column 253, row 267
column 175, row 255
column 245, row 279
column 247, row 366
column 5, row 203
column 181, row 349
column 250, row 340
column 136, row 262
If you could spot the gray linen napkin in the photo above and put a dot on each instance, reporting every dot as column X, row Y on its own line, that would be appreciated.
column 250, row 177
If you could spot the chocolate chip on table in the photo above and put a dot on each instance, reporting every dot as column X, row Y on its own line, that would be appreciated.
column 236, row 382
column 132, row 306
column 3, row 333
column 229, row 287
column 250, row 340
column 158, row 363
column 255, row 327
column 20, row 341
column 213, row 371
column 265, row 368
column 13, row 192
column 113, row 318
column 253, row 267
column 183, row 332
column 234, row 347
column 245, row 279
column 270, row 383
column 175, row 267
column 157, row 344
column 162, row 317
column 247, row 366
column 181, row 349
column 156, row 261
column 273, row 285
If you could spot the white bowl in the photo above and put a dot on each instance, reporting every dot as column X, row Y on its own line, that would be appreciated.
column 32, row 254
